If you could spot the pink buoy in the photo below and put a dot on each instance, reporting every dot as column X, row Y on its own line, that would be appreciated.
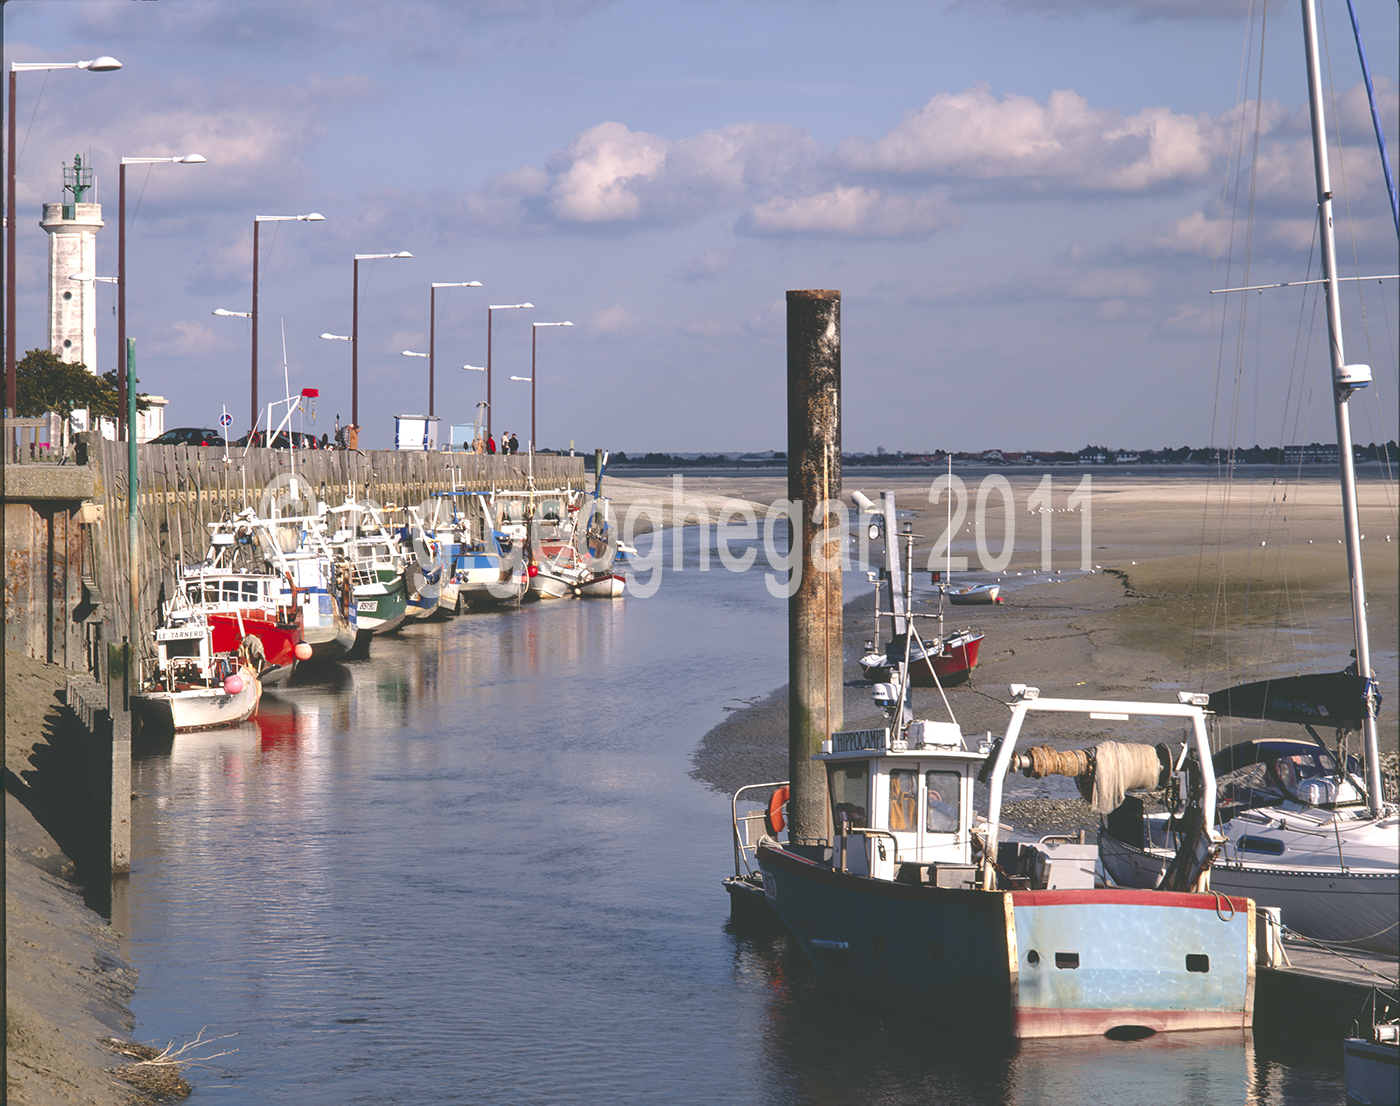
column 233, row 685
column 303, row 651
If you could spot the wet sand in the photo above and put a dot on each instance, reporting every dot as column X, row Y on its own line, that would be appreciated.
column 67, row 986
column 1174, row 599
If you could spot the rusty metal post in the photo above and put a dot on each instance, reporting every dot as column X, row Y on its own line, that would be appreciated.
column 815, row 685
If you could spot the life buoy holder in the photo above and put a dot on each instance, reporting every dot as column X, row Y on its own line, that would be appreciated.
column 775, row 818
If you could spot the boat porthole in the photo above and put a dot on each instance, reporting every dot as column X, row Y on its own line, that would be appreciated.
column 1032, row 957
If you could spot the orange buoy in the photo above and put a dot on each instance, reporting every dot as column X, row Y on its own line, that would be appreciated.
column 775, row 818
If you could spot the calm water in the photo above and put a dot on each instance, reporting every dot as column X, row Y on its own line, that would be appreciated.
column 475, row 869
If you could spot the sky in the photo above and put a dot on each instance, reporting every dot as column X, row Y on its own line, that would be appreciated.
column 1025, row 205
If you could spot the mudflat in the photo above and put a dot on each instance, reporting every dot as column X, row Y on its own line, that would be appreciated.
column 1192, row 583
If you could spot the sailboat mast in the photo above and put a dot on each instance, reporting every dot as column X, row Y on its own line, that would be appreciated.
column 1345, row 380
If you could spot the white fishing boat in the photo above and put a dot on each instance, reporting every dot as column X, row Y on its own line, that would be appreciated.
column 484, row 566
column 189, row 686
column 1303, row 833
column 977, row 594
column 917, row 902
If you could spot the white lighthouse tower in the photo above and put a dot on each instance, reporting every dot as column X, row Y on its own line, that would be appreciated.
column 72, row 227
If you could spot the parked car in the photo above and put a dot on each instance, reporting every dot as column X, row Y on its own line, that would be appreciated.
column 280, row 440
column 189, row 435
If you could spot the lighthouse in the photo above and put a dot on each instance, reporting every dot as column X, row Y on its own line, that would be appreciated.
column 72, row 227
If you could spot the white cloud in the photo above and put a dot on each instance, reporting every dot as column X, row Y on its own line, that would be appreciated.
column 186, row 338
column 850, row 212
column 615, row 321
column 1061, row 144
column 707, row 266
column 600, row 174
column 610, row 174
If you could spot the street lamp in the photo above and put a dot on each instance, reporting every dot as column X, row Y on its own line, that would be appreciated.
column 534, row 328
column 232, row 314
column 355, row 331
column 313, row 217
column 185, row 159
column 432, row 328
column 97, row 65
column 489, row 309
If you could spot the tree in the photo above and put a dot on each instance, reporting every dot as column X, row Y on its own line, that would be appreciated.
column 44, row 382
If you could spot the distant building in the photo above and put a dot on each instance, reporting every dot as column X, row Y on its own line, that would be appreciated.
column 1314, row 454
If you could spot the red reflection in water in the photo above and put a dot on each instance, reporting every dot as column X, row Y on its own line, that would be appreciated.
column 277, row 723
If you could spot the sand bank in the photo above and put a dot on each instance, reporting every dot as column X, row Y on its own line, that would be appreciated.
column 1179, row 594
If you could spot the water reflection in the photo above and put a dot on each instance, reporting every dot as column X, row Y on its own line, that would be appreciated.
column 475, row 868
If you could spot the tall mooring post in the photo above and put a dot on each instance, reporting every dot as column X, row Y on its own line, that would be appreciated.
column 815, row 685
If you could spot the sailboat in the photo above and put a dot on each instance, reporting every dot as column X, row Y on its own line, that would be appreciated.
column 1304, row 831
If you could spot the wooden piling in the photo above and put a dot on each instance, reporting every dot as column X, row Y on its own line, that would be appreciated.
column 815, row 685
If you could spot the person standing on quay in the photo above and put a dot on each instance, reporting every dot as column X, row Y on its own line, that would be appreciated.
column 514, row 443
column 490, row 444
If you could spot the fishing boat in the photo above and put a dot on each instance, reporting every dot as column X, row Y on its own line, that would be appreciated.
column 191, row 687
column 599, row 547
column 1371, row 1057
column 483, row 564
column 282, row 567
column 1303, row 831
column 423, row 569
column 945, row 658
column 358, row 535
column 238, row 605
column 916, row 902
column 555, row 571
column 603, row 585
column 978, row 593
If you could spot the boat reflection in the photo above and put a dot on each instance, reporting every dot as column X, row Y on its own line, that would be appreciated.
column 861, row 1054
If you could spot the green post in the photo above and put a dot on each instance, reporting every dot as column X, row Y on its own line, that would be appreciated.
column 133, row 619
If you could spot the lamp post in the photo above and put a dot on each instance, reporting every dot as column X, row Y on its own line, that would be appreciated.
column 186, row 159
column 96, row 65
column 489, row 309
column 534, row 329
column 432, row 327
column 313, row 217
column 355, row 331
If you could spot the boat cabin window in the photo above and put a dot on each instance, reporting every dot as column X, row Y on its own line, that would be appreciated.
column 850, row 785
column 209, row 592
column 250, row 589
column 904, row 799
column 943, row 802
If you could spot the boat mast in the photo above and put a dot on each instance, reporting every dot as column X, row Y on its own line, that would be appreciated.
column 1345, row 380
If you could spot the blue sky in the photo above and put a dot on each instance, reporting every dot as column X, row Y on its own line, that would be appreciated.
column 1020, row 202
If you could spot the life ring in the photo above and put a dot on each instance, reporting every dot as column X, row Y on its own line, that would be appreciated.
column 775, row 818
